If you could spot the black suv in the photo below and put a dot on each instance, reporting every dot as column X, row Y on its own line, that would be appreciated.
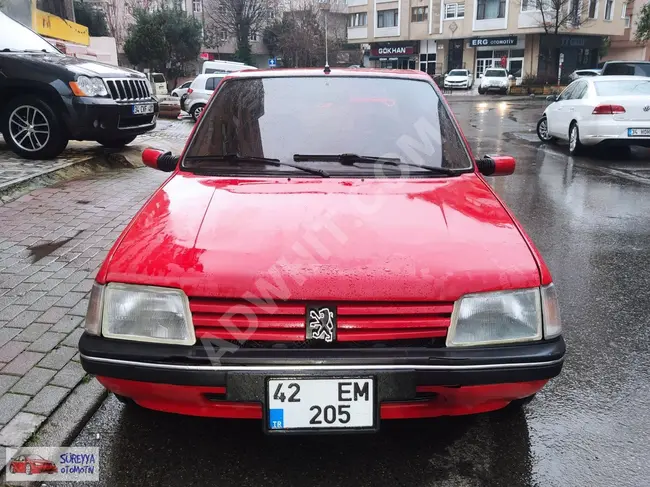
column 627, row 68
column 48, row 98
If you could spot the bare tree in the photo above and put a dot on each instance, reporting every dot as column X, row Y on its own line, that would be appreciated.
column 557, row 17
column 238, row 19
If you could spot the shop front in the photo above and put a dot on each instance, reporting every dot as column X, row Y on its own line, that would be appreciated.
column 576, row 52
column 499, row 52
column 394, row 55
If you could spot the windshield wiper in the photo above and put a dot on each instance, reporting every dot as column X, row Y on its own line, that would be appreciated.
column 261, row 160
column 352, row 159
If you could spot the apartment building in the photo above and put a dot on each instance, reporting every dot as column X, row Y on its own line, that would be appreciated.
column 439, row 35
column 624, row 47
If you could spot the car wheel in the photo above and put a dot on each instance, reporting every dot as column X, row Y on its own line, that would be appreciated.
column 196, row 111
column 175, row 94
column 32, row 129
column 481, row 92
column 542, row 130
column 116, row 143
column 28, row 469
column 575, row 146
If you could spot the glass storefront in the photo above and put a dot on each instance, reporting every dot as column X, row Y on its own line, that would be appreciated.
column 493, row 58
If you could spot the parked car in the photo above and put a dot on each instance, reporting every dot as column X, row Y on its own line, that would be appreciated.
column 583, row 73
column 200, row 92
column 459, row 78
column 48, row 98
column 344, row 334
column 210, row 67
column 601, row 110
column 182, row 89
column 495, row 79
column 31, row 464
column 626, row 68
column 158, row 84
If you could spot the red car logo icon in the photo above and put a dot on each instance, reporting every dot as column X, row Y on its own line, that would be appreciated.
column 31, row 464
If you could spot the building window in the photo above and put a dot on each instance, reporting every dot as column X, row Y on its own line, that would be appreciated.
column 624, row 10
column 419, row 14
column 575, row 12
column 428, row 63
column 628, row 21
column 196, row 6
column 359, row 19
column 454, row 10
column 223, row 35
column 593, row 9
column 388, row 18
column 252, row 36
column 546, row 5
column 609, row 9
column 490, row 9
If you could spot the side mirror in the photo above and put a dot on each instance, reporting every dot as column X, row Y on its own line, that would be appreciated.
column 480, row 75
column 446, row 74
column 496, row 165
column 158, row 159
column 552, row 98
column 511, row 76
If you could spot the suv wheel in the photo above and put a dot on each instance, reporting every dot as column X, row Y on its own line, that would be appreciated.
column 32, row 129
column 196, row 111
column 116, row 143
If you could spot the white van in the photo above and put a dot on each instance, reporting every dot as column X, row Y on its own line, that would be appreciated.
column 223, row 67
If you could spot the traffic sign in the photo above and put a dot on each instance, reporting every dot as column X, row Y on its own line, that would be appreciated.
column 273, row 62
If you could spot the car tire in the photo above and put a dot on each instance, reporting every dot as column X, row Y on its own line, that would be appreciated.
column 175, row 94
column 28, row 469
column 196, row 111
column 116, row 143
column 47, row 136
column 481, row 92
column 575, row 146
column 542, row 130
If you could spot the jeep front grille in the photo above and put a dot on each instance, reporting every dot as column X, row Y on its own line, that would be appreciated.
column 128, row 89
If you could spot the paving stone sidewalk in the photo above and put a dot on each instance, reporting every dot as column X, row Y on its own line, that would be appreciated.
column 52, row 242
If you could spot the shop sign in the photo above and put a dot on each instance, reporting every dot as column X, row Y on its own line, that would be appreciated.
column 493, row 41
column 392, row 51
column 49, row 25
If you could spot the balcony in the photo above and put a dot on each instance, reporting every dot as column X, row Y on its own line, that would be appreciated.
column 356, row 3
column 491, row 15
column 355, row 33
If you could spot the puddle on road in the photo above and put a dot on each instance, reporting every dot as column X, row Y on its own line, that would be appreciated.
column 41, row 251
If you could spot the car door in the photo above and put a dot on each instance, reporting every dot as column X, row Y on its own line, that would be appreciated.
column 556, row 111
column 570, row 107
column 19, row 464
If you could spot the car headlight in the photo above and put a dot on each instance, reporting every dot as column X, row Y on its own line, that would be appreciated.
column 496, row 318
column 85, row 86
column 140, row 313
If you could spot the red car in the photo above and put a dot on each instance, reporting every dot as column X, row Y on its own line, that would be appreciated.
column 31, row 464
column 326, row 253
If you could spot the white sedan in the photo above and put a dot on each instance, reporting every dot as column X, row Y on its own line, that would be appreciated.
column 459, row 78
column 606, row 110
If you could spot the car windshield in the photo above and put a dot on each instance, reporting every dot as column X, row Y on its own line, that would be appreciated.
column 495, row 73
column 622, row 88
column 35, row 457
column 631, row 69
column 458, row 72
column 17, row 37
column 158, row 78
column 279, row 118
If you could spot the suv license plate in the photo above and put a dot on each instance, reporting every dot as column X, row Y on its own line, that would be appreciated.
column 296, row 404
column 638, row 132
column 143, row 109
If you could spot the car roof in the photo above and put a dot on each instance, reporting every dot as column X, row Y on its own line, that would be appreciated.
column 336, row 72
column 627, row 62
column 617, row 77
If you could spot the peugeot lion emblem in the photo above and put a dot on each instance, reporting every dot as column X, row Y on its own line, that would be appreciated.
column 321, row 323
column 646, row 108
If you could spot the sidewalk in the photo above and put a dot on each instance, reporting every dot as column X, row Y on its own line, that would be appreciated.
column 52, row 241
column 17, row 172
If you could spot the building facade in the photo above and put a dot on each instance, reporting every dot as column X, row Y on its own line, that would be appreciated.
column 439, row 35
column 624, row 47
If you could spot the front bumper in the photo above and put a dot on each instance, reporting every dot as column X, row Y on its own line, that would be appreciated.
column 423, row 381
column 103, row 118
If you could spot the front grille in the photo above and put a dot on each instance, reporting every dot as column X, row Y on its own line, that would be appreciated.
column 282, row 324
column 127, row 89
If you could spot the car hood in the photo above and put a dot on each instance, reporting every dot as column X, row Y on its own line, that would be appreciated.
column 77, row 65
column 319, row 239
column 494, row 78
column 456, row 78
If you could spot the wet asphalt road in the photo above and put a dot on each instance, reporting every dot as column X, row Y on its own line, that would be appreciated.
column 589, row 427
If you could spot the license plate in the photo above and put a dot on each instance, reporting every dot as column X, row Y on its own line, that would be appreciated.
column 143, row 109
column 321, row 404
column 638, row 132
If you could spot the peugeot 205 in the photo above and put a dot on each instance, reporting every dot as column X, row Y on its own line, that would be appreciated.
column 325, row 254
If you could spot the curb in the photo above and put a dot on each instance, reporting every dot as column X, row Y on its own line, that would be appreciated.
column 68, row 419
column 92, row 163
